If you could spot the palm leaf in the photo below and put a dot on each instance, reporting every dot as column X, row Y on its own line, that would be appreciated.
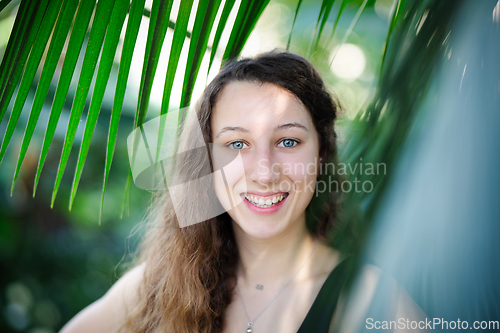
column 204, row 20
column 326, row 7
column 175, row 50
column 96, row 38
column 293, row 24
column 4, row 4
column 35, row 56
column 173, row 61
column 156, row 35
column 205, row 17
column 228, row 6
column 14, row 43
column 61, row 29
column 339, row 14
column 158, row 26
column 248, row 14
column 34, row 59
column 78, row 32
column 117, row 18
column 351, row 27
column 131, row 33
column 378, row 137
column 18, row 54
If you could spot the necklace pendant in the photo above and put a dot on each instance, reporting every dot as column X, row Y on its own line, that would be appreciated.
column 250, row 329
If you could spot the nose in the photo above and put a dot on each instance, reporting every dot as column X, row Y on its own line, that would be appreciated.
column 264, row 169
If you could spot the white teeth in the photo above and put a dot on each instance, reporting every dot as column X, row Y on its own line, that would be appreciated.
column 264, row 203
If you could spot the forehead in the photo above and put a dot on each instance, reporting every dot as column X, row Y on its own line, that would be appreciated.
column 257, row 105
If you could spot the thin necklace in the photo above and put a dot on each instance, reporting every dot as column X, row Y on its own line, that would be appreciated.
column 250, row 322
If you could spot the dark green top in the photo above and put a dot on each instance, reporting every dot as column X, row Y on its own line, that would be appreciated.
column 320, row 315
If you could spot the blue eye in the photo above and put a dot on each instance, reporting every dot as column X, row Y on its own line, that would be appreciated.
column 237, row 145
column 288, row 143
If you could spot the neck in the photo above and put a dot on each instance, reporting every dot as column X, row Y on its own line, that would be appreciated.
column 272, row 261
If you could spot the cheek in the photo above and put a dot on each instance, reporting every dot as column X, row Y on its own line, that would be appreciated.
column 301, row 168
column 228, row 166
column 220, row 190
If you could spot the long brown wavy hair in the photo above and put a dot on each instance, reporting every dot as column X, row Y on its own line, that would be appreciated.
column 189, row 275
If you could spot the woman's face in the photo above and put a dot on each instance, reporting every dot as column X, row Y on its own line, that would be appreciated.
column 273, row 133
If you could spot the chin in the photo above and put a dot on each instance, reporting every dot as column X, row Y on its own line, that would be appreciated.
column 260, row 230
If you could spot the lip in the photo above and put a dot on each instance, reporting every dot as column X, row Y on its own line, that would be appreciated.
column 266, row 211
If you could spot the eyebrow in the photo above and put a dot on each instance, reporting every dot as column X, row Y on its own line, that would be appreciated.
column 276, row 129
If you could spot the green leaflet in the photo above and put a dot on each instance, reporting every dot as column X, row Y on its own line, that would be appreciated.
column 29, row 25
column 326, row 7
column 228, row 6
column 75, row 43
column 205, row 17
column 248, row 15
column 339, row 14
column 396, row 13
column 114, row 29
column 34, row 59
column 351, row 26
column 158, row 25
column 377, row 137
column 293, row 24
column 97, row 33
column 3, row 4
column 133, row 24
column 61, row 29
column 175, row 50
column 14, row 43
column 156, row 35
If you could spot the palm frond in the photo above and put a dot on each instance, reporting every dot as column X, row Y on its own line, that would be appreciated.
column 118, row 14
column 61, row 29
column 133, row 24
column 378, row 135
column 351, row 27
column 37, row 21
column 19, row 55
column 293, row 24
column 228, row 6
column 248, row 14
column 97, row 33
column 82, row 20
column 324, row 12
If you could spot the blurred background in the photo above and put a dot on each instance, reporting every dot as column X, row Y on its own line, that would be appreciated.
column 407, row 103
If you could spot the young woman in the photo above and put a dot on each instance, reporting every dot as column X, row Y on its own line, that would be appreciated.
column 265, row 264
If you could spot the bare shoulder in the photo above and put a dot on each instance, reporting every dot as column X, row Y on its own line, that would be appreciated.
column 354, row 309
column 125, row 289
column 105, row 314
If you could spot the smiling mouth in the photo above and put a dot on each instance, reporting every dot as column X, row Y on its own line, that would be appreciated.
column 265, row 202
